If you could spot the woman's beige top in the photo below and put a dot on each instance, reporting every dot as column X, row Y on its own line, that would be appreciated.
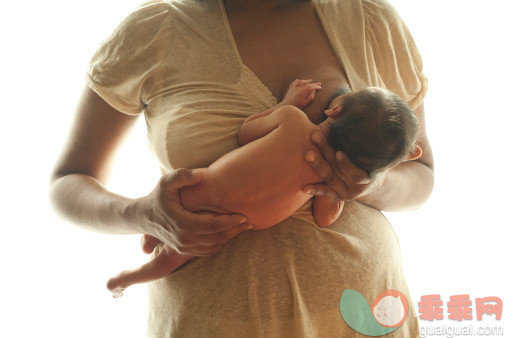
column 177, row 62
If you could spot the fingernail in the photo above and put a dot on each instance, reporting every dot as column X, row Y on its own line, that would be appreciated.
column 310, row 156
column 362, row 180
column 309, row 191
column 243, row 219
column 315, row 137
column 196, row 173
column 249, row 227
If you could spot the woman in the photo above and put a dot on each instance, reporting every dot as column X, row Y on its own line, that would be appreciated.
column 197, row 69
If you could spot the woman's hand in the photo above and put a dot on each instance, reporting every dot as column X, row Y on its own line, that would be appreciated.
column 343, row 180
column 161, row 215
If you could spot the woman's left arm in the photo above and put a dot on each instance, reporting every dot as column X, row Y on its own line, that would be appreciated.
column 405, row 187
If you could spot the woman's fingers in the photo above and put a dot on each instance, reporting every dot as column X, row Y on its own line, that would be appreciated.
column 148, row 243
column 210, row 224
column 207, row 234
column 178, row 227
column 322, row 189
column 346, row 180
column 337, row 171
column 207, row 230
column 171, row 184
column 324, row 170
column 325, row 148
column 201, row 250
column 212, row 243
column 350, row 170
column 219, row 238
column 329, row 155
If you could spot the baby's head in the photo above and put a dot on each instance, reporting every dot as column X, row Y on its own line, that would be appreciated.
column 375, row 128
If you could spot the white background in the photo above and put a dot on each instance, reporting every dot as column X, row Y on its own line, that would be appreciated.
column 53, row 274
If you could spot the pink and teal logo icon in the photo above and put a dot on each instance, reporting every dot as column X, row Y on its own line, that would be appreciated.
column 387, row 313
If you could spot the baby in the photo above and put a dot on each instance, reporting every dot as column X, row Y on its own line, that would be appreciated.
column 263, row 179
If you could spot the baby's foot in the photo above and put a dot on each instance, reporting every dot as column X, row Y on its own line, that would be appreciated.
column 117, row 285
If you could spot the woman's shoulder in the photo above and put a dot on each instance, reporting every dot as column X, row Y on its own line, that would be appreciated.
column 380, row 10
column 368, row 8
column 145, row 15
column 157, row 15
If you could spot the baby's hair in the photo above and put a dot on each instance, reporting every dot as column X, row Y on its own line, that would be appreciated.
column 376, row 129
column 338, row 92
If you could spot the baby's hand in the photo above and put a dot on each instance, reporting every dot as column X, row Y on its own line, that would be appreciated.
column 301, row 93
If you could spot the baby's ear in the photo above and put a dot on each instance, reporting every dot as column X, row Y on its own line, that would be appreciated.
column 415, row 153
column 333, row 112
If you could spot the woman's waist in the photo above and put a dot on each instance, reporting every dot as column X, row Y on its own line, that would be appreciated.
column 290, row 257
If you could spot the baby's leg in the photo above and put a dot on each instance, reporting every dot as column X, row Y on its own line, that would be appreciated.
column 160, row 266
column 326, row 210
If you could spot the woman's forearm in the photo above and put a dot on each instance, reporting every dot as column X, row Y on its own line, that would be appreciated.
column 405, row 187
column 83, row 200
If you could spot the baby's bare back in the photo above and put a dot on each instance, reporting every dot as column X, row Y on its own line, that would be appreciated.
column 261, row 180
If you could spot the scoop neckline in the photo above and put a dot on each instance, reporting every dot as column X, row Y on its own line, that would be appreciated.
column 254, row 76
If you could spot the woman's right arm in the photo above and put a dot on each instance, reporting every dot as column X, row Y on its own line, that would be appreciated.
column 77, row 190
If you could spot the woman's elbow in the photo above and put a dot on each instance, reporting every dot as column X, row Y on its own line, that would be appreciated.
column 425, row 188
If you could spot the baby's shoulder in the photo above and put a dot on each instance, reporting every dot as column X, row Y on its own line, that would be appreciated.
column 292, row 115
column 295, row 123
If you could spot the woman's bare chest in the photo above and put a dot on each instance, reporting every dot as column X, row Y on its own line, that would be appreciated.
column 283, row 47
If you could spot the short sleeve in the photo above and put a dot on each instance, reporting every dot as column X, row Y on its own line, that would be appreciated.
column 125, row 60
column 397, row 60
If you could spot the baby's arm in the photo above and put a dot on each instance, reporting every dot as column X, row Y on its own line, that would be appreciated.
column 326, row 210
column 300, row 94
column 259, row 125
